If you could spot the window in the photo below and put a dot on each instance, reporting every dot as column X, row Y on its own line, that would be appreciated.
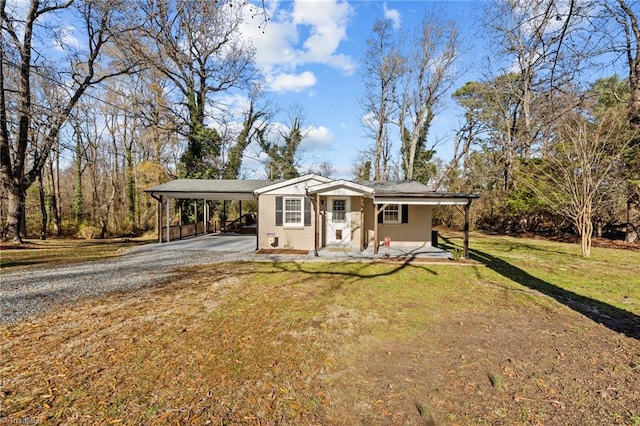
column 392, row 214
column 293, row 212
column 339, row 211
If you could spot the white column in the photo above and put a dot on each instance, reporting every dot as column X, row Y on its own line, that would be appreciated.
column 168, row 222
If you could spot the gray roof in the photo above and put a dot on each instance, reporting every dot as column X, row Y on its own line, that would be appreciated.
column 230, row 189
column 209, row 189
column 211, row 185
column 388, row 187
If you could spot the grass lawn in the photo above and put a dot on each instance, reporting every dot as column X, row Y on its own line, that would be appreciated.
column 56, row 251
column 532, row 334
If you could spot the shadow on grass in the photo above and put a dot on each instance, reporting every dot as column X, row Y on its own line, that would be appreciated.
column 362, row 271
column 616, row 319
column 350, row 272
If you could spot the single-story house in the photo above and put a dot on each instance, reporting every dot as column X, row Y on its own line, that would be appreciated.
column 312, row 212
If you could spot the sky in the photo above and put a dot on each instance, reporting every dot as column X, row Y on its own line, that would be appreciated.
column 310, row 54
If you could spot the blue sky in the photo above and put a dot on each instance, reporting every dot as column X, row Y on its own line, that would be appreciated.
column 310, row 53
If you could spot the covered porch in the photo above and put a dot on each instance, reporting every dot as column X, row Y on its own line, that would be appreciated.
column 392, row 218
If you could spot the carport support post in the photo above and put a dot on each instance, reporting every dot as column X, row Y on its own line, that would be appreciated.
column 195, row 215
column 180, row 221
column 160, row 219
column 168, row 224
column 206, row 216
column 466, row 229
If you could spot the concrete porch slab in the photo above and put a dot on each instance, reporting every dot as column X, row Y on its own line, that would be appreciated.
column 398, row 252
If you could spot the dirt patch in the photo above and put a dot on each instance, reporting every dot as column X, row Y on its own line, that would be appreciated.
column 504, row 368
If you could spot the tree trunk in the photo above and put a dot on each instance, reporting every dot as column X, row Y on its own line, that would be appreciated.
column 77, row 193
column 54, row 211
column 130, row 187
column 43, row 210
column 15, row 211
column 585, row 228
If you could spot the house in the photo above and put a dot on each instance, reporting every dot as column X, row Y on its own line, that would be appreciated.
column 313, row 212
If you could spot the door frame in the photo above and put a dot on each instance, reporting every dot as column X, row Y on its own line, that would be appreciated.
column 331, row 226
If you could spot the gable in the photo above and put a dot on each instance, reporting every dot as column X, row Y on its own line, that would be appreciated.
column 295, row 186
column 341, row 187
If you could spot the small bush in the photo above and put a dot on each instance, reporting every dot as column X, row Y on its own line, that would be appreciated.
column 497, row 380
column 88, row 232
column 456, row 254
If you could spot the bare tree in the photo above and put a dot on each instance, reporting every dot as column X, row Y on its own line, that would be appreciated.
column 626, row 17
column 581, row 168
column 324, row 168
column 197, row 46
column 100, row 19
column 537, row 40
column 427, row 76
column 382, row 65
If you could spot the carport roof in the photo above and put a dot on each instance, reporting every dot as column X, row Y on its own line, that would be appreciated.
column 210, row 189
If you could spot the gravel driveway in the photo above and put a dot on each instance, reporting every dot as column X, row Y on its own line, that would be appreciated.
column 32, row 291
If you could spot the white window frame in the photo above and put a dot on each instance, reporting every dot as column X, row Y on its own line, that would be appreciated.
column 396, row 208
column 287, row 223
column 341, row 217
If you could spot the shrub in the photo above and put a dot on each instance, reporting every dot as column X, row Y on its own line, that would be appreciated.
column 88, row 232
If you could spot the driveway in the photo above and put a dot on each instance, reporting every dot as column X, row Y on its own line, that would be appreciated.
column 32, row 291
column 208, row 242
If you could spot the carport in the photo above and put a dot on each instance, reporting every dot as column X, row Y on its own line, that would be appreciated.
column 199, row 190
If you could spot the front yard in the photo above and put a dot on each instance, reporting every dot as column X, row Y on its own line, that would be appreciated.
column 533, row 334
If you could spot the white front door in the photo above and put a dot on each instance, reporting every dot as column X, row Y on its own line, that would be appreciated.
column 338, row 221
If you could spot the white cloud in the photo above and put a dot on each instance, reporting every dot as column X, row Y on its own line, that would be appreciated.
column 327, row 22
column 393, row 15
column 303, row 33
column 318, row 138
column 64, row 39
column 232, row 105
column 292, row 82
column 369, row 120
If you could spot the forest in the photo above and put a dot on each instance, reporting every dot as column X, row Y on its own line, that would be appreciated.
column 552, row 146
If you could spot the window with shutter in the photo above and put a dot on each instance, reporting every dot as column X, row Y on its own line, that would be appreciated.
column 391, row 213
column 394, row 213
column 293, row 211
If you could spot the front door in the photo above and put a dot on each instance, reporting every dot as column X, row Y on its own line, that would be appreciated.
column 339, row 221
